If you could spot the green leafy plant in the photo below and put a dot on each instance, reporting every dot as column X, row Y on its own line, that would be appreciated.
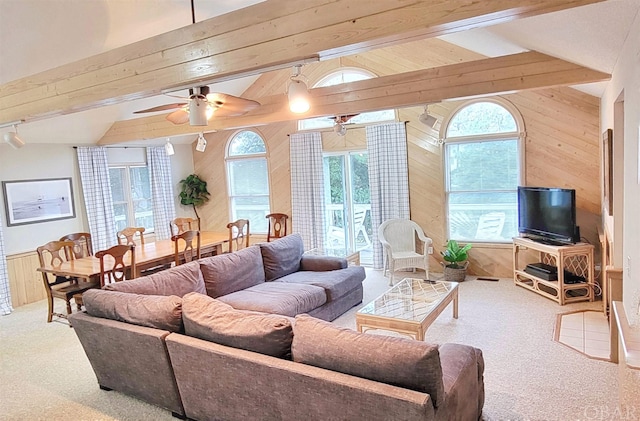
column 194, row 192
column 455, row 254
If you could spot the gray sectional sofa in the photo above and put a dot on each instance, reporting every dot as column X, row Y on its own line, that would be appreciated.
column 210, row 340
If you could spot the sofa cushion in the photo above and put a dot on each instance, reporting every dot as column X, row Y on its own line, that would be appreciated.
column 336, row 283
column 179, row 280
column 397, row 361
column 282, row 256
column 212, row 320
column 158, row 311
column 231, row 272
column 278, row 298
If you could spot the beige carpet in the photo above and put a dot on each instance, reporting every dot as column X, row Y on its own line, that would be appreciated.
column 46, row 376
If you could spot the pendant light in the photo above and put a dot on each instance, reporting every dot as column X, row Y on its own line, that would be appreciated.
column 297, row 92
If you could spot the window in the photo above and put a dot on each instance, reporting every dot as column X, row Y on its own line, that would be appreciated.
column 343, row 76
column 483, row 170
column 248, row 179
column 131, row 195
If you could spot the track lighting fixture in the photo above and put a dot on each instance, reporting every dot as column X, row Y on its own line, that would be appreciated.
column 12, row 138
column 168, row 147
column 297, row 92
column 428, row 119
column 202, row 143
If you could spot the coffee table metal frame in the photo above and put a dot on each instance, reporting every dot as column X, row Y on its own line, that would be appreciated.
column 409, row 308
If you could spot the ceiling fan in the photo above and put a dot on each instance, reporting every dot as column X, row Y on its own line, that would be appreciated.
column 339, row 123
column 202, row 105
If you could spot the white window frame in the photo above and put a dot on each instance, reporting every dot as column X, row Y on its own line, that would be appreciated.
column 519, row 134
column 247, row 157
column 131, row 217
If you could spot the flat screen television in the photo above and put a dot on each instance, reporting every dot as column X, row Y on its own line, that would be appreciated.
column 548, row 214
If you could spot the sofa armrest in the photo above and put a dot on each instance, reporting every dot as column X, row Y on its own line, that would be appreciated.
column 322, row 263
column 462, row 372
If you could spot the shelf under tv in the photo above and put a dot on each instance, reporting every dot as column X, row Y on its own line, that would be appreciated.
column 575, row 258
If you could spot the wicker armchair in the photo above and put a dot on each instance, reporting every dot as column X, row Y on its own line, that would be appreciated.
column 399, row 238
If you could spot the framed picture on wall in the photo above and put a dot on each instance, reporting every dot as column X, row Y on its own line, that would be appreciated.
column 33, row 201
column 607, row 165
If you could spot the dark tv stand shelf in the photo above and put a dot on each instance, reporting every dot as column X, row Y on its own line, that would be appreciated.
column 575, row 258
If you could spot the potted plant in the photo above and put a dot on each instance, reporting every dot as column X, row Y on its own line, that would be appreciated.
column 456, row 257
column 194, row 192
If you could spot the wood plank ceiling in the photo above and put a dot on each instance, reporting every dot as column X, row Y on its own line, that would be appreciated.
column 268, row 35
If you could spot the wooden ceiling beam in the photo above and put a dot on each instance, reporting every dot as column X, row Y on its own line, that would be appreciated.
column 491, row 76
column 268, row 35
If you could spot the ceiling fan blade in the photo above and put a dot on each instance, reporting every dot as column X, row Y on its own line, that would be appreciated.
column 178, row 117
column 232, row 103
column 162, row 108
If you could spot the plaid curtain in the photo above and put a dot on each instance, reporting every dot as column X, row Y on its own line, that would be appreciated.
column 164, row 210
column 5, row 294
column 307, row 188
column 94, row 174
column 388, row 178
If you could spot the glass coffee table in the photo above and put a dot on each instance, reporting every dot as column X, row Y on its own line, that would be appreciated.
column 409, row 307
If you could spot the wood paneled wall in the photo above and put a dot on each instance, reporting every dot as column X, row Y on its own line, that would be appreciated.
column 562, row 146
column 25, row 282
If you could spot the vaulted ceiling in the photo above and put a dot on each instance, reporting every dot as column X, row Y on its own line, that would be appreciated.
column 37, row 35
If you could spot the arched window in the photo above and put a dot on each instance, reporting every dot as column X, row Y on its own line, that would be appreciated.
column 248, row 179
column 483, row 168
column 345, row 75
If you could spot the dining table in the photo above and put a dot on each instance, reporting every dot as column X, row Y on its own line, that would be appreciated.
column 148, row 255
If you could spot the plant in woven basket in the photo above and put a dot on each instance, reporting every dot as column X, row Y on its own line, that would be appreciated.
column 454, row 255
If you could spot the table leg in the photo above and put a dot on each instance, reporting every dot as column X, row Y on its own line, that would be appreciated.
column 455, row 304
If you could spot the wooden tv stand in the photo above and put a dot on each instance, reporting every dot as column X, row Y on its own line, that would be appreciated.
column 576, row 258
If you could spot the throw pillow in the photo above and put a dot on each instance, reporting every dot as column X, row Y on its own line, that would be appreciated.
column 160, row 312
column 178, row 280
column 212, row 320
column 397, row 361
column 282, row 256
column 231, row 272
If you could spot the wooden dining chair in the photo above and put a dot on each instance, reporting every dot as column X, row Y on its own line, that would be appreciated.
column 112, row 265
column 82, row 246
column 53, row 254
column 127, row 236
column 277, row 225
column 189, row 252
column 180, row 225
column 238, row 234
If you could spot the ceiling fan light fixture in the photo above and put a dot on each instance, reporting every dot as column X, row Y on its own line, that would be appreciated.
column 199, row 109
column 340, row 129
column 202, row 143
column 168, row 148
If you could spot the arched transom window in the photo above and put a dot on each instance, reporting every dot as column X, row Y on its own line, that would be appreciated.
column 248, row 179
column 482, row 171
column 343, row 76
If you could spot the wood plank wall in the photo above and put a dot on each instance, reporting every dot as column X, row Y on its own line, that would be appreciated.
column 25, row 282
column 562, row 146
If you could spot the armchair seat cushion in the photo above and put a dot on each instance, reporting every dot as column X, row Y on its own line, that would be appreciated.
column 278, row 298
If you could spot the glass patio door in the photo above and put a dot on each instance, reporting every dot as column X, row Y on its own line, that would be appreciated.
column 347, row 203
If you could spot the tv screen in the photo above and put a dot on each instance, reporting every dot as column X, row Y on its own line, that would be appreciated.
column 546, row 213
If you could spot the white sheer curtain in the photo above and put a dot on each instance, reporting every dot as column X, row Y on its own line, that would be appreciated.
column 5, row 293
column 164, row 210
column 307, row 188
column 388, row 178
column 94, row 174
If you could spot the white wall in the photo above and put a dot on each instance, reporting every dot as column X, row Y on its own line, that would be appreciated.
column 625, row 85
column 34, row 161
